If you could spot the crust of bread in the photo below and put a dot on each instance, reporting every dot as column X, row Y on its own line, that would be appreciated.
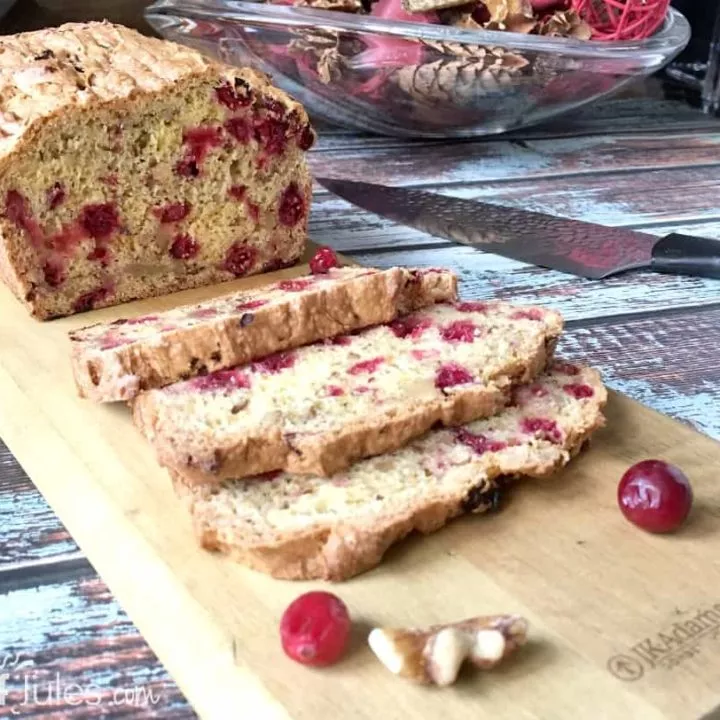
column 337, row 553
column 123, row 63
column 121, row 373
column 77, row 68
column 269, row 450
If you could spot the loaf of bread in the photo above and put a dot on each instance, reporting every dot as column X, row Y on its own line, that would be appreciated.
column 298, row 527
column 114, row 361
column 321, row 407
column 132, row 167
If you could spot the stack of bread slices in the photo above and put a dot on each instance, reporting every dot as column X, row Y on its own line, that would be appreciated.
column 312, row 423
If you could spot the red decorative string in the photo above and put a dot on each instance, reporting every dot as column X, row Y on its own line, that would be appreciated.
column 622, row 19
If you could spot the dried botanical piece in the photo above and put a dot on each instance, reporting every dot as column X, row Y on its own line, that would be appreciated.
column 517, row 24
column 461, row 17
column 352, row 6
column 430, row 73
column 476, row 72
column 565, row 24
column 331, row 66
column 314, row 42
column 434, row 656
column 421, row 6
column 506, row 14
column 319, row 51
column 498, row 15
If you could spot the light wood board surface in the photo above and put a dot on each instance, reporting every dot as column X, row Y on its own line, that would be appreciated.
column 622, row 624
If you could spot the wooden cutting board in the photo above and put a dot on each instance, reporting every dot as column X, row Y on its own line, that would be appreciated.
column 622, row 624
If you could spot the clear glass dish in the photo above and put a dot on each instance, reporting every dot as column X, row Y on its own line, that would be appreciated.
column 426, row 80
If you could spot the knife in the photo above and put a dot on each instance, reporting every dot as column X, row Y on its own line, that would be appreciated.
column 572, row 246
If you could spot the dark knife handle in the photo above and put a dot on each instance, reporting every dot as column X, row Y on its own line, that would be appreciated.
column 686, row 255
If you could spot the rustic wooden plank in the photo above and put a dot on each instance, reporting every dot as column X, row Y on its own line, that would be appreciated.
column 30, row 529
column 669, row 363
column 672, row 199
column 483, row 275
column 657, row 201
column 431, row 164
column 670, row 195
column 354, row 231
column 72, row 636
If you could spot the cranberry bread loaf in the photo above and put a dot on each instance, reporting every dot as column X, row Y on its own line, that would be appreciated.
column 321, row 407
column 300, row 527
column 114, row 361
column 131, row 167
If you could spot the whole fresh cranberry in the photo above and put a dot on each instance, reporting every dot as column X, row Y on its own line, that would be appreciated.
column 323, row 260
column 655, row 495
column 315, row 629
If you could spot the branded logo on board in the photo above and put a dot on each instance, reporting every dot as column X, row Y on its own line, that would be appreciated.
column 678, row 642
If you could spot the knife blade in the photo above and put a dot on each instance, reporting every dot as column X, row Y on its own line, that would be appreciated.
column 577, row 247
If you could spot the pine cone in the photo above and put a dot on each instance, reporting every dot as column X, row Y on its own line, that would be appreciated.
column 457, row 49
column 489, row 56
column 458, row 82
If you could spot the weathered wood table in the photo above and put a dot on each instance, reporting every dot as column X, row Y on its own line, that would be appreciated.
column 639, row 162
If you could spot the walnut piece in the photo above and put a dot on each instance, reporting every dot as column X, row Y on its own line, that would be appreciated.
column 433, row 656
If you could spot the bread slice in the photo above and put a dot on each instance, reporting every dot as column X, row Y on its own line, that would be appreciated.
column 299, row 528
column 115, row 361
column 317, row 409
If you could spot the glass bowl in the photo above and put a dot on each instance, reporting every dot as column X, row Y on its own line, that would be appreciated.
column 409, row 79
